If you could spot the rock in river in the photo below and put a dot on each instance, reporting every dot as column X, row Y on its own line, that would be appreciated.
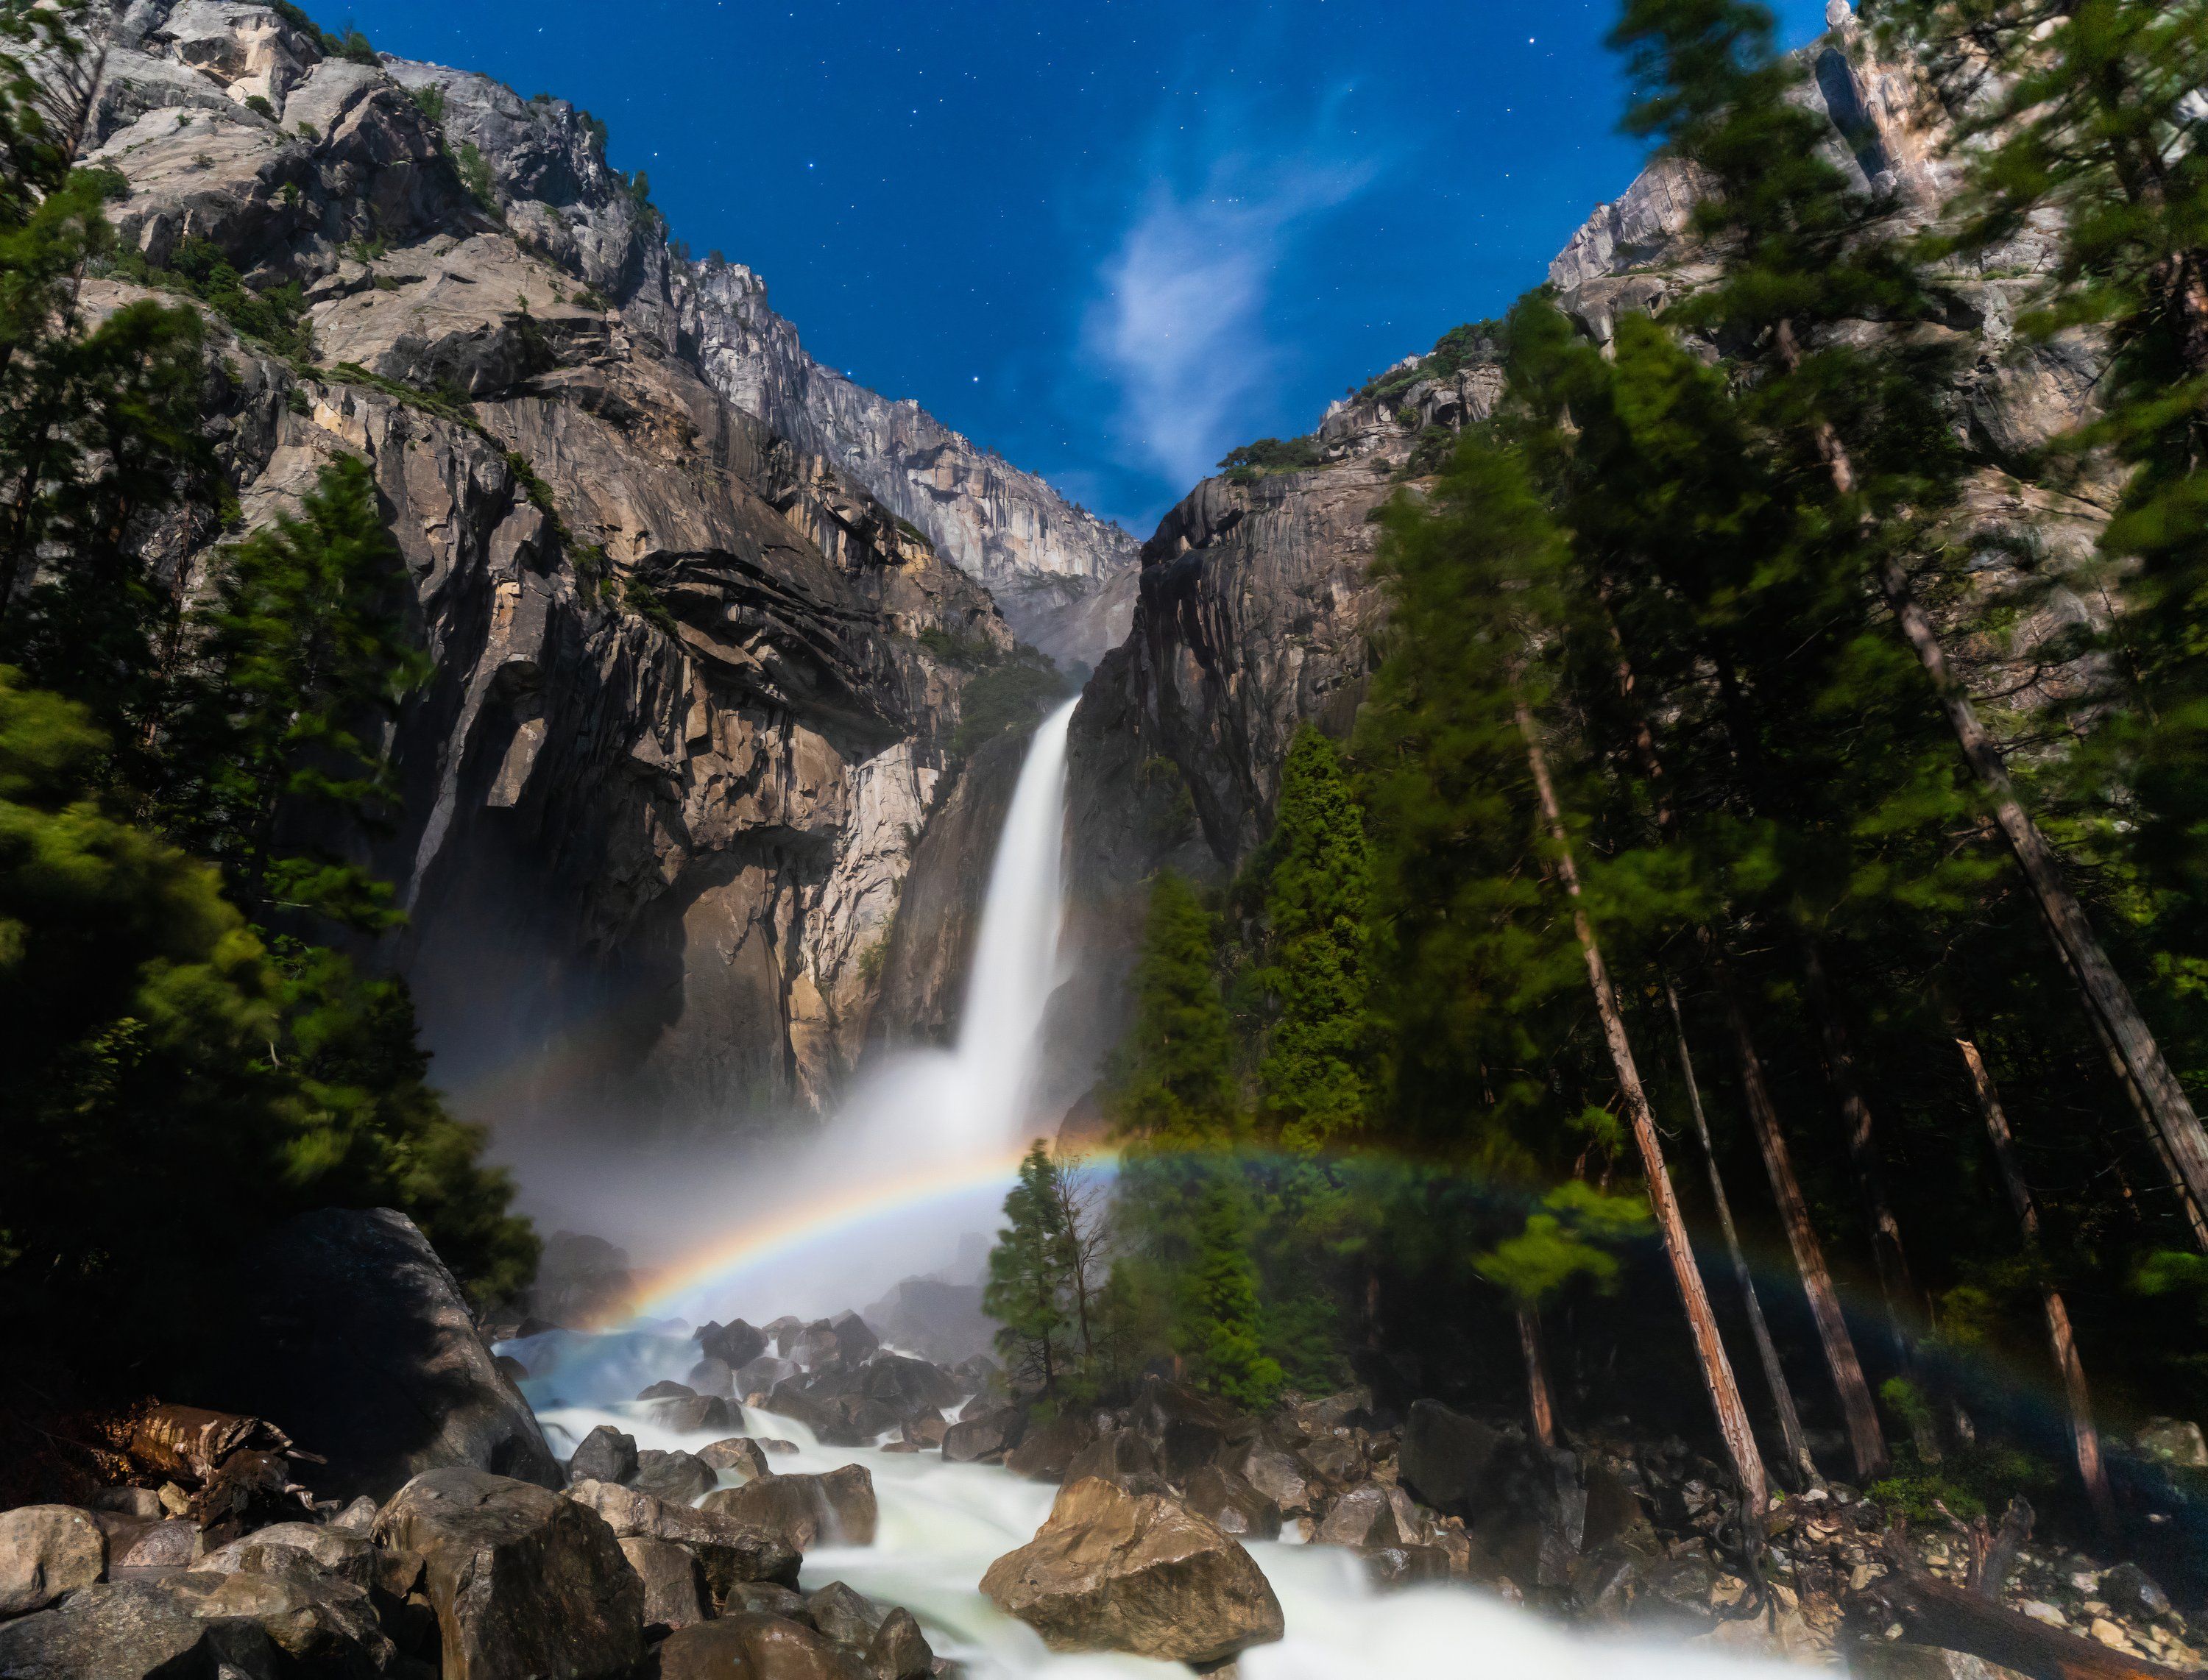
column 1116, row 1571
column 46, row 1550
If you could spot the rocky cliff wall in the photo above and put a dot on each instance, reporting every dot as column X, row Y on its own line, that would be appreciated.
column 685, row 722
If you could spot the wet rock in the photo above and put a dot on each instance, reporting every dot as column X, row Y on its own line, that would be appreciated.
column 992, row 1431
column 524, row 1582
column 769, row 1599
column 762, row 1374
column 836, row 1509
column 1186, row 1426
column 908, row 1386
column 899, row 1651
column 674, row 1581
column 1231, row 1504
column 731, row 1551
column 844, row 1615
column 817, row 1348
column 751, row 1646
column 792, row 1398
column 360, row 1340
column 1116, row 1571
column 1333, row 1460
column 979, row 1372
column 1899, row 1659
column 605, row 1455
column 693, row 1414
column 853, row 1338
column 1369, row 1516
column 1120, row 1456
column 784, row 1332
column 714, row 1376
column 278, row 1550
column 668, row 1390
column 2133, row 1591
column 46, row 1550
column 1279, row 1477
column 158, row 1545
column 1398, row 1566
column 1444, row 1456
column 775, row 1445
column 739, row 1453
column 358, row 1518
column 2174, row 1441
column 1047, row 1450
column 735, row 1344
column 141, row 1502
column 677, row 1478
column 1350, row 1409
column 320, row 1624
column 134, row 1630
column 926, row 1431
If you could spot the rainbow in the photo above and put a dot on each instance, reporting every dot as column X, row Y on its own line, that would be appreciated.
column 727, row 1256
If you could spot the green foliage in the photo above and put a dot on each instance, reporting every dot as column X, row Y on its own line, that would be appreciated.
column 1459, row 348
column 1012, row 694
column 1032, row 1269
column 277, row 315
column 475, row 175
column 351, row 46
column 639, row 597
column 429, row 100
column 1172, row 1088
column 1217, row 1325
column 1574, row 1236
column 259, row 105
column 1252, row 461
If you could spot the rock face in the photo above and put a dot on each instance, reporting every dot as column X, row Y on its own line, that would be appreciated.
column 1116, row 1571
column 46, row 1550
column 1057, row 571
column 361, row 1340
column 685, row 716
column 524, row 1582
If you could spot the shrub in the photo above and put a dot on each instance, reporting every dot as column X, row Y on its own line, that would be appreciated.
column 1272, row 454
column 259, row 105
column 1011, row 695
column 475, row 175
column 277, row 316
column 430, row 102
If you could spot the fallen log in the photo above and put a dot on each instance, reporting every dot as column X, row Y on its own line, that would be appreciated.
column 190, row 1444
column 1936, row 1613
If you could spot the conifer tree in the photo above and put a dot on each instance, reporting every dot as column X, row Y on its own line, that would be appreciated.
column 1029, row 1292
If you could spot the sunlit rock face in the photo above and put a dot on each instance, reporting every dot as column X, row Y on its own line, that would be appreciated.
column 1057, row 572
column 684, row 723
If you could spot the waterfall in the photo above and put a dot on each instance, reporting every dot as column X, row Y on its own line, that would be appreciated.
column 1015, row 964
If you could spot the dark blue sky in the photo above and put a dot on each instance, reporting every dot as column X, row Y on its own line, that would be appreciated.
column 1109, row 238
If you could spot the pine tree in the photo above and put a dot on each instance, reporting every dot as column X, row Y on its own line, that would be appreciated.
column 1218, row 1325
column 1171, row 1089
column 1031, row 1277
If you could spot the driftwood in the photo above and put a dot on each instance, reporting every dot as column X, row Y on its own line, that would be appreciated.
column 240, row 1464
column 188, row 1443
column 1972, row 1620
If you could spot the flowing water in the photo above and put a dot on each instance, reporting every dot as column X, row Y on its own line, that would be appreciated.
column 943, row 1524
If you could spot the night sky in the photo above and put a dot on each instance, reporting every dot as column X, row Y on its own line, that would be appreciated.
column 1110, row 238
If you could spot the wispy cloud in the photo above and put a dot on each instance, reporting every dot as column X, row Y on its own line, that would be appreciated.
column 1180, row 322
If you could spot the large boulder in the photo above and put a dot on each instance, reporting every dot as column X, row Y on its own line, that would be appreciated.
column 675, row 1592
column 359, row 1340
column 605, row 1455
column 1371, row 1517
column 689, row 1413
column 910, row 1387
column 731, row 1551
column 739, row 1454
column 1279, row 1476
column 1239, row 1509
column 1116, row 1571
column 735, row 1344
column 853, row 1338
column 1186, row 1426
column 842, row 1613
column 752, row 1646
column 1446, row 1458
column 46, row 1550
column 525, row 1583
column 984, row 1436
column 899, row 1651
column 134, row 1630
column 284, row 1548
column 1118, row 1455
column 321, row 1624
column 678, row 1477
column 1047, row 1450
column 836, row 1509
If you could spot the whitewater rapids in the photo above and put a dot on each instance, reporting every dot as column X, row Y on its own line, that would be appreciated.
column 942, row 1525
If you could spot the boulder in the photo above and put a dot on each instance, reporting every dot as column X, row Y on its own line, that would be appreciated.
column 854, row 1420
column 853, row 1338
column 843, row 1614
column 899, row 1651
column 760, row 1375
column 1236, row 1507
column 1279, row 1477
column 134, row 1630
column 667, row 1389
column 2135, row 1593
column 926, row 1431
column 836, row 1509
column 769, row 1599
column 791, row 1399
column 1407, row 1565
column 735, row 1344
column 1334, row 1461
column 731, row 1552
column 1350, row 1409
column 677, row 1478
column 910, row 1386
column 358, row 1518
column 1184, row 1425
column 320, row 1624
column 605, row 1455
column 157, row 1545
column 817, row 1348
column 711, row 1376
column 281, row 1548
column 739, row 1454
column 2174, row 1441
column 1445, row 1456
column 1116, row 1571
column 141, row 1502
column 784, row 1332
column 992, row 1431
column 693, row 1414
column 1368, row 1516
column 358, row 1337
column 524, row 1582
column 1046, row 1450
column 674, row 1581
column 751, row 1646
column 46, row 1550
column 1118, row 1455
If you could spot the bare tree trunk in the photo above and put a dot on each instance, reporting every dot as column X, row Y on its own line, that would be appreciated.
column 1538, row 1405
column 2083, row 1436
column 1865, row 1437
column 1709, row 1347
column 1896, row 1285
column 1766, row 1351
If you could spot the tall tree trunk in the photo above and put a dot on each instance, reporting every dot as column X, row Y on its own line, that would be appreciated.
column 1865, row 1437
column 1709, row 1347
column 2106, row 995
column 1896, row 1285
column 1539, row 1407
column 2083, row 1436
column 1766, row 1351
